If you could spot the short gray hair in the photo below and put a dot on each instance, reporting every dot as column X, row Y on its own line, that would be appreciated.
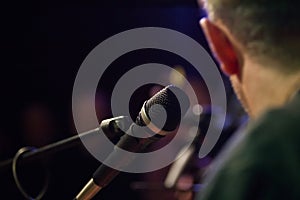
column 267, row 28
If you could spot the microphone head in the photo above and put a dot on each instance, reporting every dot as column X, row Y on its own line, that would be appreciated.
column 168, row 106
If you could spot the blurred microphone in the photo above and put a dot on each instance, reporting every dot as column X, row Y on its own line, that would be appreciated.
column 165, row 110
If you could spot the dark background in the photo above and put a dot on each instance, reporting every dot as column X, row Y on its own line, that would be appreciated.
column 43, row 44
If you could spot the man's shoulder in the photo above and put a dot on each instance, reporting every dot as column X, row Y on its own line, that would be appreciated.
column 265, row 163
column 273, row 141
column 281, row 125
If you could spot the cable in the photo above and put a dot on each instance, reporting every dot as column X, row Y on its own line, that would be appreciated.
column 16, row 178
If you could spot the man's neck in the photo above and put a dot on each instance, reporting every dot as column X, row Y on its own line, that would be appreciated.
column 266, row 88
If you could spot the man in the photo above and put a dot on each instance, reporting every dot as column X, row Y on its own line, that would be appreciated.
column 258, row 46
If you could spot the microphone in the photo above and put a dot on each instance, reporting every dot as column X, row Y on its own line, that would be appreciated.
column 164, row 109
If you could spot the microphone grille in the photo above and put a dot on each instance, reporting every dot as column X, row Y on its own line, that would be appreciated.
column 175, row 103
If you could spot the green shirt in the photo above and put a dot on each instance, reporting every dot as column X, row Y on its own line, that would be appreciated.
column 265, row 164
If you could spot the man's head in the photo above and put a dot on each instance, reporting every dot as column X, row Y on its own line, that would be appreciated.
column 258, row 46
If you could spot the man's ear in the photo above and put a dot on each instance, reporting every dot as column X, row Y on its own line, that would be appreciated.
column 222, row 47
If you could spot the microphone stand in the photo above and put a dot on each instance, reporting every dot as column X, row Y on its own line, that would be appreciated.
column 112, row 128
column 50, row 149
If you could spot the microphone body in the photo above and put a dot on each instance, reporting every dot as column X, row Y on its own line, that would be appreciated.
column 147, row 124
